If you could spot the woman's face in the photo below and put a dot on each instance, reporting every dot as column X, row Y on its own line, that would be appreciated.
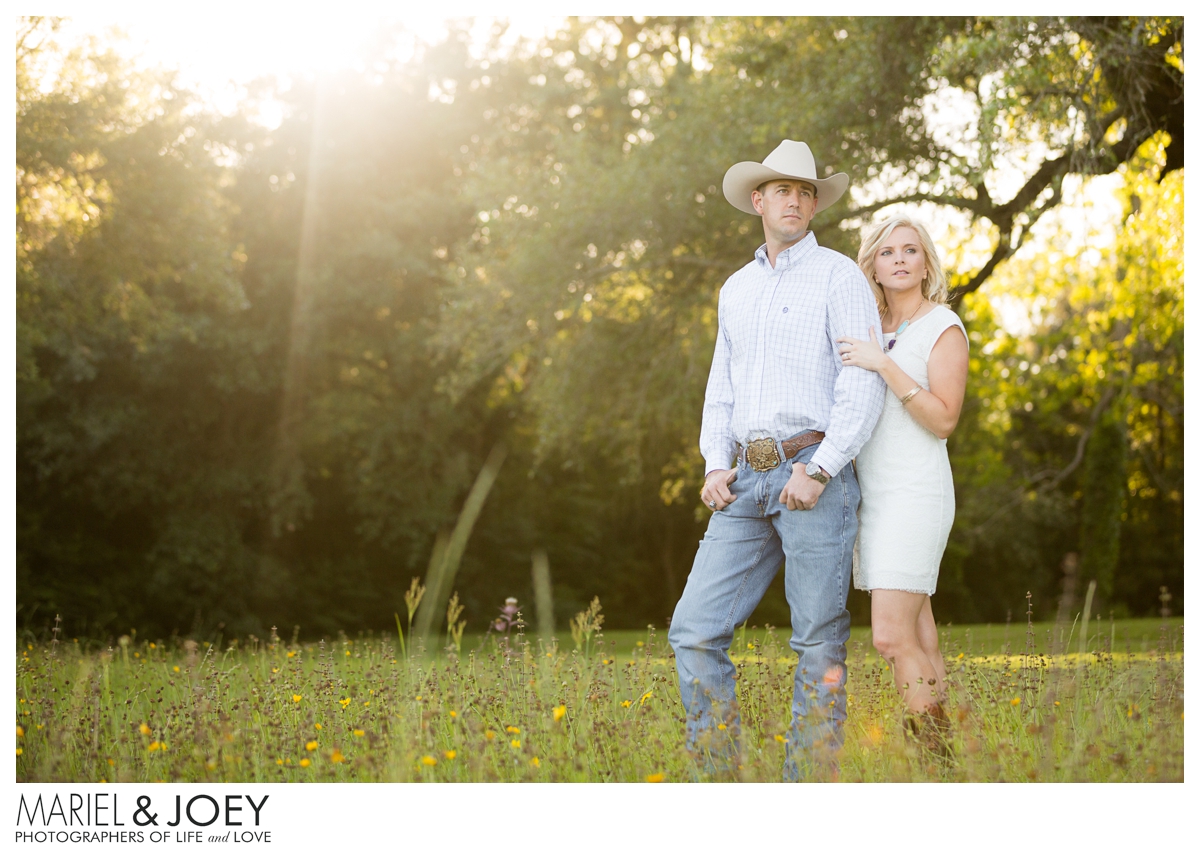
column 900, row 261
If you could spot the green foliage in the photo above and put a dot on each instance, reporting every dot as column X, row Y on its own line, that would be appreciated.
column 351, row 710
column 258, row 368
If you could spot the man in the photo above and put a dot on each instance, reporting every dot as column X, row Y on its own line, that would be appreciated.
column 780, row 404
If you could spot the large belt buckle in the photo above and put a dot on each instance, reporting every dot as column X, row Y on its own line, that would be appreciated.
column 762, row 455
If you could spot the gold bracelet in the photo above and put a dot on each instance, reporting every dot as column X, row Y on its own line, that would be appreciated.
column 911, row 394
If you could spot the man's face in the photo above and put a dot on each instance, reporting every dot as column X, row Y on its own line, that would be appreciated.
column 787, row 207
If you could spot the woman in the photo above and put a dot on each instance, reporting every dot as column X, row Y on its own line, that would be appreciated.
column 904, row 472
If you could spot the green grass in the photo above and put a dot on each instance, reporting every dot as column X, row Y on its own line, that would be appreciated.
column 251, row 710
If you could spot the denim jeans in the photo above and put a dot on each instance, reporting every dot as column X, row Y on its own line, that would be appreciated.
column 739, row 556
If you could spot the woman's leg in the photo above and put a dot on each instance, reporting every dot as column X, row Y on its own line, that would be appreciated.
column 927, row 636
column 894, row 632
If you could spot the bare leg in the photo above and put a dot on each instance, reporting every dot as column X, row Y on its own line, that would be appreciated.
column 894, row 631
column 927, row 636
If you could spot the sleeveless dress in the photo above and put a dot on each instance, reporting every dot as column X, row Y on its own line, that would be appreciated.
column 904, row 472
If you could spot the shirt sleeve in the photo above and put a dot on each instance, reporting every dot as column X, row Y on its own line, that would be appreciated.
column 858, row 394
column 717, row 443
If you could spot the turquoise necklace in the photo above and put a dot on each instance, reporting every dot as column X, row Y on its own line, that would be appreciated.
column 903, row 325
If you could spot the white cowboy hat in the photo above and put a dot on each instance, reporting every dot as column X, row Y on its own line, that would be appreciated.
column 791, row 159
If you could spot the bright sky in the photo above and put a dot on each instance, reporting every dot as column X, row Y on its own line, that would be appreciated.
column 226, row 46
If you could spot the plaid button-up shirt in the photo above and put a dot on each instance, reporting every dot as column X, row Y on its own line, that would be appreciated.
column 776, row 370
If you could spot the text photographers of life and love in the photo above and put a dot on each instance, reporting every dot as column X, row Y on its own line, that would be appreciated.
column 110, row 817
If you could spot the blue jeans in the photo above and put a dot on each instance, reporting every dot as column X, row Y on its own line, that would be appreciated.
column 739, row 556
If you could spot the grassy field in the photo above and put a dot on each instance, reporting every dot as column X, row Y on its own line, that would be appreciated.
column 601, row 707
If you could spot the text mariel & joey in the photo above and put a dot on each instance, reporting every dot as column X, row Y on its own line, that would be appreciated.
column 106, row 817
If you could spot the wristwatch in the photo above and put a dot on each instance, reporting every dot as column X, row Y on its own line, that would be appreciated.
column 812, row 470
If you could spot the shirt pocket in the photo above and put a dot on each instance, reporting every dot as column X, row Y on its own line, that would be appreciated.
column 796, row 333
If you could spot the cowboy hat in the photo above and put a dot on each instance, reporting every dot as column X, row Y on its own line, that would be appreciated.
column 791, row 159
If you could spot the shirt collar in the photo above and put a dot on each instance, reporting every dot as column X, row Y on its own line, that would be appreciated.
column 791, row 255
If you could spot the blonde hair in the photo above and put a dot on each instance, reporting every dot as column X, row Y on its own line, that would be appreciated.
column 933, row 287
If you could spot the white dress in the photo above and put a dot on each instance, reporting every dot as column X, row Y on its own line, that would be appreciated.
column 904, row 474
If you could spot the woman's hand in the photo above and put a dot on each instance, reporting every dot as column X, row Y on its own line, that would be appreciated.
column 863, row 354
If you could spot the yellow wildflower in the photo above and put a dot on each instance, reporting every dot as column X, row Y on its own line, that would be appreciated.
column 511, row 729
column 960, row 656
column 291, row 653
column 20, row 730
column 20, row 751
column 317, row 725
column 337, row 756
column 153, row 746
column 429, row 761
column 516, row 743
column 112, row 762
column 450, row 755
column 176, row 669
column 627, row 704
column 366, row 703
column 345, row 702
column 305, row 763
column 721, row 726
column 144, row 728
column 536, row 763
column 297, row 698
column 273, row 670
column 453, row 714
column 645, row 698
column 779, row 737
column 656, row 778
column 641, row 644
column 358, row 731
column 278, row 761
column 490, row 734
column 560, row 711
column 153, row 645
column 311, row 745
column 1016, row 702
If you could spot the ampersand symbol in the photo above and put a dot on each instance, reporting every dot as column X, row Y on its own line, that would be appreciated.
column 143, row 808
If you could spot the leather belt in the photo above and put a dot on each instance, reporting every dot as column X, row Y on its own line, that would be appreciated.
column 763, row 455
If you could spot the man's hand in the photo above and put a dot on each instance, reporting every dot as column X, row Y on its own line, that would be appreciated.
column 716, row 492
column 800, row 493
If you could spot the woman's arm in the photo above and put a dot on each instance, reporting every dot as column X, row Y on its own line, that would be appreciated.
column 937, row 409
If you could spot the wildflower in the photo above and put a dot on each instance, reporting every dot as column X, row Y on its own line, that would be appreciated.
column 153, row 746
column 278, row 761
column 627, row 704
column 317, row 725
column 606, row 661
column 1056, row 703
column 960, row 655
column 20, row 730
column 641, row 644
column 297, row 698
column 311, row 745
column 516, row 743
column 359, row 731
column 656, row 778
column 560, row 711
column 779, row 737
column 112, row 762
column 450, row 755
column 453, row 714
column 176, row 669
column 153, row 645
column 535, row 763
column 347, row 652
column 645, row 698
column 20, row 751
column 749, row 646
column 366, row 703
column 721, row 726
column 511, row 729
column 305, row 763
column 273, row 670
column 144, row 728
column 291, row 653
column 345, row 702
column 429, row 761
column 337, row 756
column 40, row 726
column 490, row 735
column 1016, row 702
column 210, row 765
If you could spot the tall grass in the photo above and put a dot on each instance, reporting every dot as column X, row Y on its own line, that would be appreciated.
column 519, row 709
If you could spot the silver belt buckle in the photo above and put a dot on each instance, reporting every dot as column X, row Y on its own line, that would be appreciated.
column 762, row 455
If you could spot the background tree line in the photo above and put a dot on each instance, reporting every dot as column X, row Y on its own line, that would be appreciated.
column 259, row 367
